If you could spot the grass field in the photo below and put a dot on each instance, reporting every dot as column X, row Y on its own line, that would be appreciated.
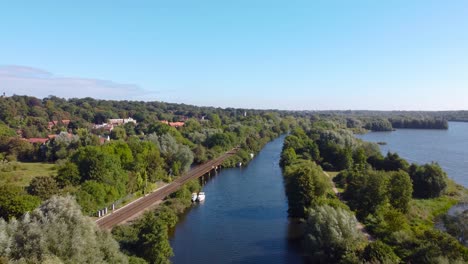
column 21, row 173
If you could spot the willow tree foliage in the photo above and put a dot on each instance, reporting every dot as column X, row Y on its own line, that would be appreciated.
column 178, row 157
column 57, row 232
column 331, row 233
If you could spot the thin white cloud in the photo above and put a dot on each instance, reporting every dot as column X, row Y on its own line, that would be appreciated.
column 23, row 80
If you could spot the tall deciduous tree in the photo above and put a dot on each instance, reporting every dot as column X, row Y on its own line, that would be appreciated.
column 43, row 187
column 14, row 201
column 331, row 233
column 400, row 190
column 305, row 183
column 153, row 238
column 288, row 156
column 429, row 180
column 366, row 190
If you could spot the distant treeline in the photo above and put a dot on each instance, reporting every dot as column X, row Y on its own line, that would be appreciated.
column 461, row 116
column 389, row 124
column 419, row 123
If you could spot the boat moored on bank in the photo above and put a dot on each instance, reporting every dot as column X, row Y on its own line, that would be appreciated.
column 201, row 196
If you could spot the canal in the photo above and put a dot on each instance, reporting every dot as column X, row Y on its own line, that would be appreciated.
column 243, row 219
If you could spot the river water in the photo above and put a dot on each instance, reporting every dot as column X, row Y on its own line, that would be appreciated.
column 243, row 219
column 447, row 147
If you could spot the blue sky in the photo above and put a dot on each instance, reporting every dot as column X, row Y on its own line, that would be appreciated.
column 382, row 55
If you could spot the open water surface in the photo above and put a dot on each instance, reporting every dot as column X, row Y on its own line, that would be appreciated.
column 447, row 147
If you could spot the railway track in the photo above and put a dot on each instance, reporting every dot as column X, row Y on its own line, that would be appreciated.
column 129, row 211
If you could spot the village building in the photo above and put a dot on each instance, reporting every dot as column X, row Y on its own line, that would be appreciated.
column 37, row 140
column 173, row 124
column 105, row 126
column 53, row 123
column 122, row 121
column 113, row 122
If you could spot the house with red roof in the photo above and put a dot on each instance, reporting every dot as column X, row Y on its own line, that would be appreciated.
column 37, row 140
column 173, row 124
column 53, row 123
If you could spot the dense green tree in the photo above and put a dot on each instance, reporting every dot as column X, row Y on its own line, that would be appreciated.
column 118, row 133
column 200, row 154
column 294, row 142
column 129, row 129
column 393, row 162
column 43, row 187
column 95, row 164
column 305, row 183
column 21, row 149
column 366, row 191
column 95, row 195
column 379, row 252
column 68, row 174
column 215, row 120
column 288, row 156
column 14, row 201
column 400, row 190
column 158, row 129
column 6, row 131
column 147, row 158
column 220, row 139
column 429, row 180
column 86, row 138
column 436, row 246
column 153, row 239
column 387, row 221
column 340, row 158
column 102, row 117
column 121, row 150
column 192, row 125
column 360, row 160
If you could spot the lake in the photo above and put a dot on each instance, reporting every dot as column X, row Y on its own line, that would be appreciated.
column 447, row 147
column 243, row 219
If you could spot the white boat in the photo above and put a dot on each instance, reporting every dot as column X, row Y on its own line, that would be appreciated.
column 201, row 196
column 194, row 197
